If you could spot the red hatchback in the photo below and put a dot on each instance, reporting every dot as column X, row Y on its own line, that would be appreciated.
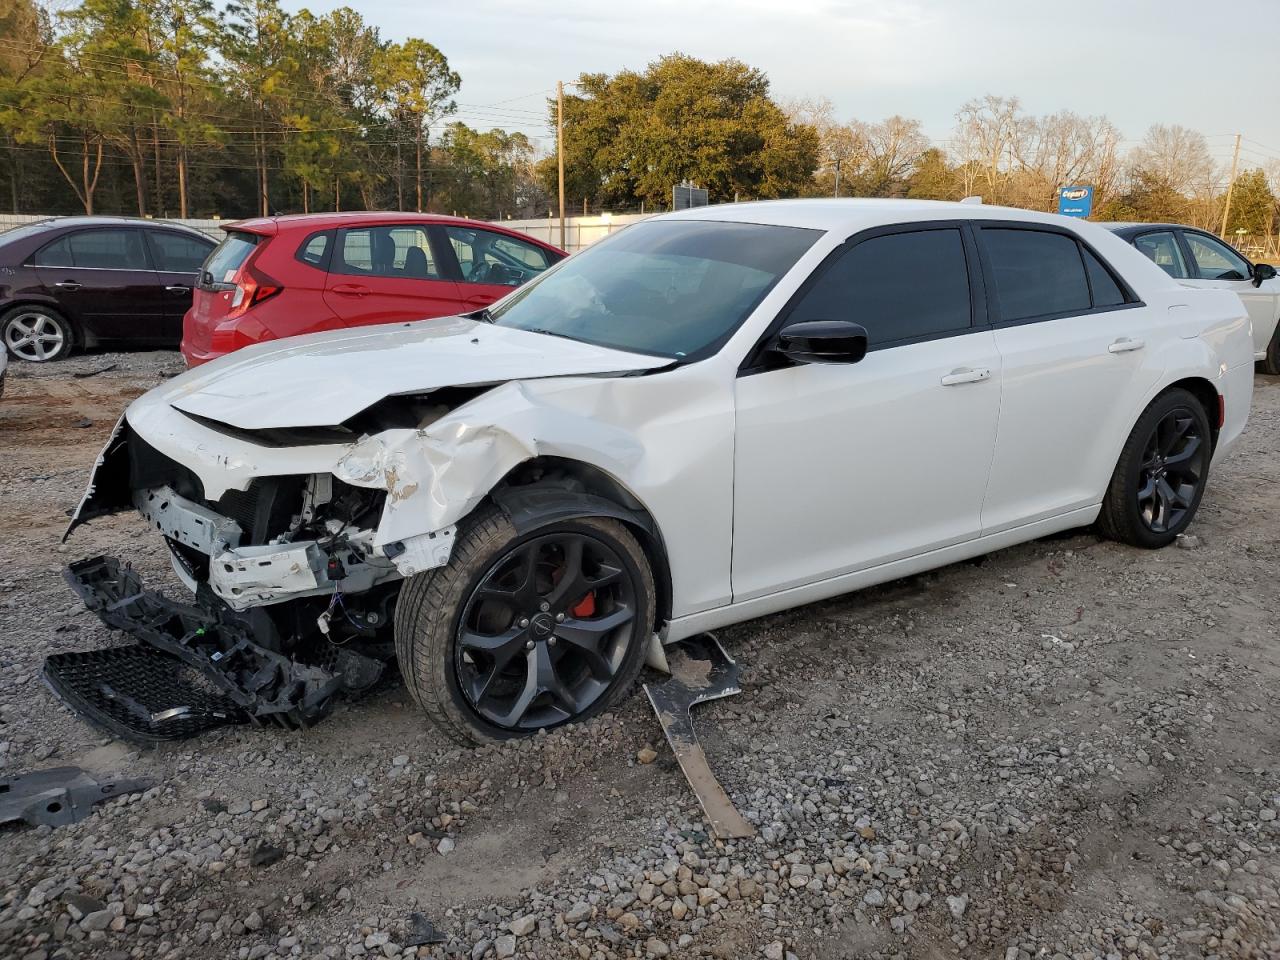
column 281, row 276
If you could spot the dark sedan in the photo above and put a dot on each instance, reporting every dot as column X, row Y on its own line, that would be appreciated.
column 83, row 281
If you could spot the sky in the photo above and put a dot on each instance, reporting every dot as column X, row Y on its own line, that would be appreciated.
column 1209, row 66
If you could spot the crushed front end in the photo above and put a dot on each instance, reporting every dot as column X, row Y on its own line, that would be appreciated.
column 291, row 602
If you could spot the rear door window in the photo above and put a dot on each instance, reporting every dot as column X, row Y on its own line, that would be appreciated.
column 229, row 256
column 96, row 249
column 390, row 251
column 176, row 252
column 1106, row 291
column 901, row 287
column 1162, row 249
column 1037, row 273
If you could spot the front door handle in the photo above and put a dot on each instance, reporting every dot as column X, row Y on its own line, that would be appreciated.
column 178, row 288
column 1125, row 344
column 68, row 285
column 350, row 289
column 965, row 375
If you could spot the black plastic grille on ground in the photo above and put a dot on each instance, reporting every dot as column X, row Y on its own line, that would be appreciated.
column 139, row 693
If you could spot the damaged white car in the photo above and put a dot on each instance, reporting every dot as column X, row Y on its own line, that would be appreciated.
column 710, row 416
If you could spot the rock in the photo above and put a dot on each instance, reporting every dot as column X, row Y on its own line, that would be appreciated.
column 654, row 947
column 775, row 951
column 253, row 921
column 505, row 946
column 98, row 920
column 578, row 912
column 647, row 755
column 79, row 905
column 873, row 897
column 445, row 846
column 958, row 905
column 523, row 926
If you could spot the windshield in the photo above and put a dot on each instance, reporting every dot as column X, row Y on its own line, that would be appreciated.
column 674, row 288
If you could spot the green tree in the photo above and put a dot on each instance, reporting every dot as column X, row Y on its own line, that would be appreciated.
column 1253, row 205
column 486, row 174
column 419, row 91
column 629, row 138
column 29, row 36
column 933, row 178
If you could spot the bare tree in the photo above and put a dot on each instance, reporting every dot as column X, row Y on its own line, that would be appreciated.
column 987, row 131
column 1177, row 156
column 1061, row 149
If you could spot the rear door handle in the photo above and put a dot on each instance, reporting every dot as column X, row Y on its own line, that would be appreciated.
column 1125, row 344
column 178, row 288
column 67, row 285
column 965, row 375
column 350, row 289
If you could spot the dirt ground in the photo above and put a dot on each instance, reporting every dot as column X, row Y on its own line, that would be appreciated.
column 1064, row 749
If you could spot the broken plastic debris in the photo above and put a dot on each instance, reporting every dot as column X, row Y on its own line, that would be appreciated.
column 58, row 796
column 700, row 671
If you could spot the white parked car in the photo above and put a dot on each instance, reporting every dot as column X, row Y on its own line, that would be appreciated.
column 1201, row 260
column 710, row 416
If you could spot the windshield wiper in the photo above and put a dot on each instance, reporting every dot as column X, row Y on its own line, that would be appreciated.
column 483, row 315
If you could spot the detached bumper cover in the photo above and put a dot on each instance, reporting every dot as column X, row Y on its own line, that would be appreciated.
column 250, row 683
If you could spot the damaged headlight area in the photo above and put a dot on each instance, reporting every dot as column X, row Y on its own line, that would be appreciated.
column 292, row 601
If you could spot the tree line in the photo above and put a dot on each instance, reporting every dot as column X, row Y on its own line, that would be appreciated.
column 180, row 108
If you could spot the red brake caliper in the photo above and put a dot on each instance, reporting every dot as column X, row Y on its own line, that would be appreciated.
column 586, row 606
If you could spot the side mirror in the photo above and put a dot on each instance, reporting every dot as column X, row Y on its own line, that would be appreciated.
column 823, row 341
column 1261, row 272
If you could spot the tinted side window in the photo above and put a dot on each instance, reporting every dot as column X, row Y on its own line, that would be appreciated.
column 1036, row 273
column 56, row 254
column 177, row 253
column 1106, row 292
column 109, row 250
column 486, row 257
column 315, row 249
column 1162, row 249
column 395, row 251
column 880, row 284
column 1215, row 260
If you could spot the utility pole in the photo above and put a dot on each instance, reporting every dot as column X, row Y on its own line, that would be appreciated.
column 560, row 151
column 837, row 178
column 1226, row 209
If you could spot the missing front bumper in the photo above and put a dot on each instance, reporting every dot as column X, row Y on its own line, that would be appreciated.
column 202, row 666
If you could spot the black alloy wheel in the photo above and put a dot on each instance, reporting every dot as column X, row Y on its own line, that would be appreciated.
column 1162, row 472
column 545, row 632
column 1172, row 471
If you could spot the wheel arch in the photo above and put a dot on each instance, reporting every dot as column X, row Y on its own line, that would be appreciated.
column 1207, row 394
column 545, row 489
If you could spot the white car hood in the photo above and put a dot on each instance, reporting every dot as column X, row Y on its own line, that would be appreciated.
column 323, row 379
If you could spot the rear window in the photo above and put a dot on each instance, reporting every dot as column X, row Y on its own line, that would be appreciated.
column 1037, row 273
column 229, row 257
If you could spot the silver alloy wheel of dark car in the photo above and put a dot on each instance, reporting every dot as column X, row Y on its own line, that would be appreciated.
column 36, row 335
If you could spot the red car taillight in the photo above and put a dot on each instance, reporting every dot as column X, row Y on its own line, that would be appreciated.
column 251, row 288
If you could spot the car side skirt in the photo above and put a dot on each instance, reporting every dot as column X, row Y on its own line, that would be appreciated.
column 683, row 627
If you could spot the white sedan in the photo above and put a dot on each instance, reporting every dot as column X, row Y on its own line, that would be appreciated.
column 710, row 416
column 1199, row 259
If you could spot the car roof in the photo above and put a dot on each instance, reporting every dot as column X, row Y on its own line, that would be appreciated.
column 1130, row 228
column 104, row 221
column 859, row 213
column 290, row 222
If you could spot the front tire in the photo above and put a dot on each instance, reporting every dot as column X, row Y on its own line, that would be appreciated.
column 522, row 632
column 1161, row 475
column 36, row 334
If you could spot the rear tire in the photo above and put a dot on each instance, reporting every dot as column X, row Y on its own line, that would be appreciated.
column 1270, row 364
column 1161, row 475
column 473, row 638
column 36, row 333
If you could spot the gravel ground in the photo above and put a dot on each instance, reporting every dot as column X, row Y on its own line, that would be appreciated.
column 1065, row 749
